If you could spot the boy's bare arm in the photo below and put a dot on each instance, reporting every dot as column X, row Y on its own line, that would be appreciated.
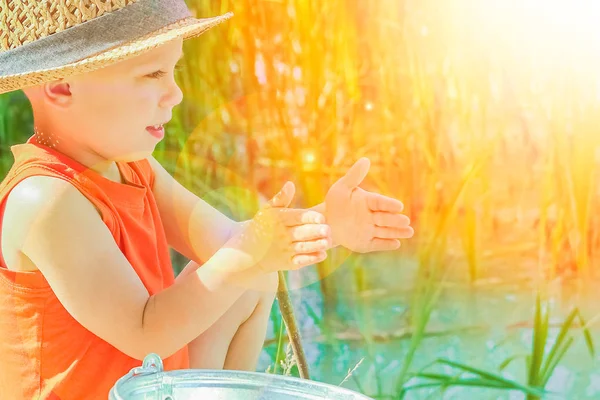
column 70, row 244
column 193, row 227
column 97, row 285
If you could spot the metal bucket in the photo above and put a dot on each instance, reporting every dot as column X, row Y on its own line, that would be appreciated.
column 150, row 382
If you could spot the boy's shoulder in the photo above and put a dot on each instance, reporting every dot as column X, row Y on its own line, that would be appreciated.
column 40, row 191
column 39, row 203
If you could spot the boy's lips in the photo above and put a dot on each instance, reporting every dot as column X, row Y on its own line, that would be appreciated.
column 158, row 131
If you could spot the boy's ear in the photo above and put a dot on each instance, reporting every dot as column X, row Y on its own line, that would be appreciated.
column 58, row 92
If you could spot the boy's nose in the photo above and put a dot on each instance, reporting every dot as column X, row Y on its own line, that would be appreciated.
column 173, row 97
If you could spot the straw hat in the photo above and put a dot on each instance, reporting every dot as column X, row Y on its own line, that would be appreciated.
column 46, row 40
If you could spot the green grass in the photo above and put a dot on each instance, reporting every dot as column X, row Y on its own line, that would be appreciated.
column 475, row 378
column 543, row 359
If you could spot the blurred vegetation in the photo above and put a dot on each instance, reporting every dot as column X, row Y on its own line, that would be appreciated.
column 461, row 124
column 480, row 117
column 427, row 90
column 16, row 125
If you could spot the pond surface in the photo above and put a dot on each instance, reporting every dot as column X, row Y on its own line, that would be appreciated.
column 478, row 325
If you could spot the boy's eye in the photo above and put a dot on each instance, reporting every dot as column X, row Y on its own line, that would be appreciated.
column 160, row 74
column 157, row 74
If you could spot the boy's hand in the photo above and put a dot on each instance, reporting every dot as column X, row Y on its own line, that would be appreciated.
column 363, row 221
column 280, row 238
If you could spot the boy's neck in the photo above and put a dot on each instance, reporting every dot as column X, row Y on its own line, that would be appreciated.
column 86, row 157
column 111, row 172
column 106, row 168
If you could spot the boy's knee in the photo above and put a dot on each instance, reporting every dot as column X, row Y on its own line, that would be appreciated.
column 271, row 284
column 262, row 291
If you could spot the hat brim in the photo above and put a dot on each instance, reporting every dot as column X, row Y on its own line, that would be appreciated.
column 186, row 28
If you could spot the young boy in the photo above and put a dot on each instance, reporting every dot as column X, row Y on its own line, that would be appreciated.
column 87, row 214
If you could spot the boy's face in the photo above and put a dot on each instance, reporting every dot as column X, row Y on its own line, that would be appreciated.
column 106, row 113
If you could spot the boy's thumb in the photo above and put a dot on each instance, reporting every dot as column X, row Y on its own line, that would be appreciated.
column 356, row 174
column 285, row 196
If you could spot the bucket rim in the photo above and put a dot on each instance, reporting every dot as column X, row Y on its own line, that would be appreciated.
column 151, row 374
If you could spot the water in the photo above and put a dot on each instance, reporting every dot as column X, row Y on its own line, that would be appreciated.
column 480, row 326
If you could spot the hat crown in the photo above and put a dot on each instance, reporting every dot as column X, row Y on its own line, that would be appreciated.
column 25, row 21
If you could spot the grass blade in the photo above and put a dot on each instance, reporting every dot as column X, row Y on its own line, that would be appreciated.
column 562, row 335
column 445, row 381
column 437, row 376
column 510, row 359
column 559, row 355
column 540, row 332
column 488, row 375
column 587, row 335
column 472, row 382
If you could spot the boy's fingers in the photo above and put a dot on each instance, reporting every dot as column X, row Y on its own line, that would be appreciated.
column 310, row 232
column 304, row 260
column 384, row 244
column 393, row 233
column 378, row 202
column 301, row 217
column 311, row 246
column 389, row 220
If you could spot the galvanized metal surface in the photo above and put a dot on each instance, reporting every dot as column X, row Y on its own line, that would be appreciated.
column 150, row 382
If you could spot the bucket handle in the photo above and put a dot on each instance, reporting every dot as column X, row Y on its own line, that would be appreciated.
column 152, row 364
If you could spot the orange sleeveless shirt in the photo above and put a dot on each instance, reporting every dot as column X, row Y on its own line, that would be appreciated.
column 44, row 352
